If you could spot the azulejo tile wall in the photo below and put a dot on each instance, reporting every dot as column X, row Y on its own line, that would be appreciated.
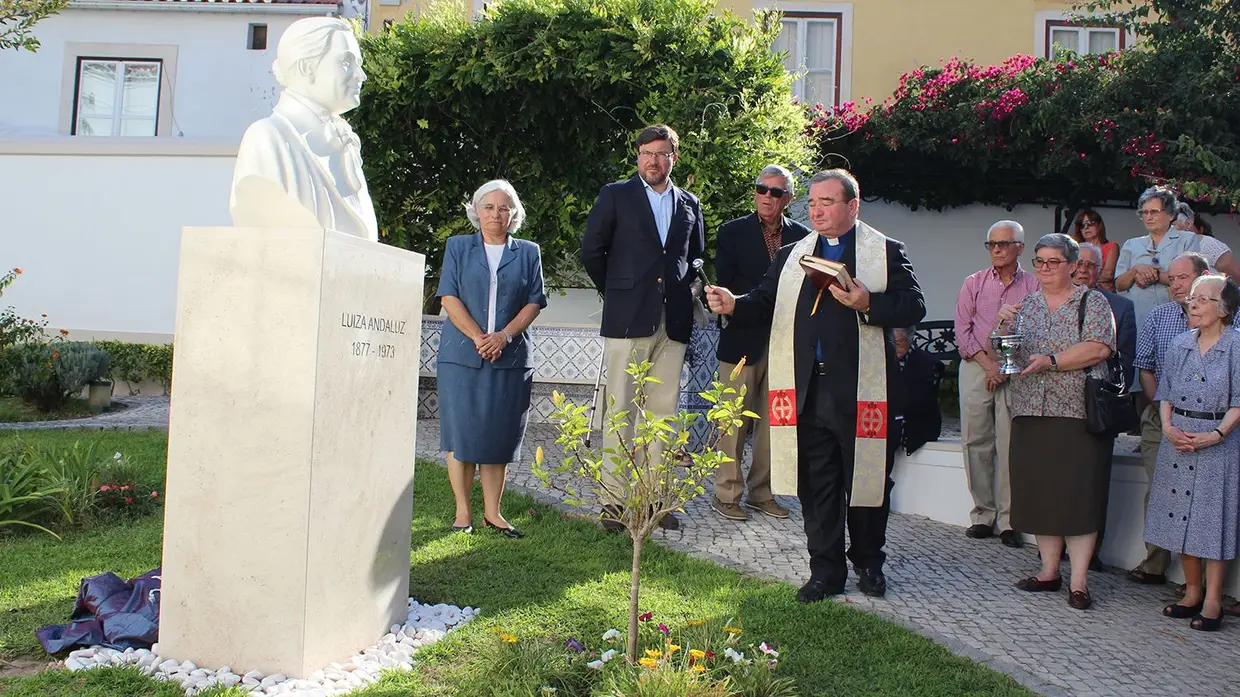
column 568, row 360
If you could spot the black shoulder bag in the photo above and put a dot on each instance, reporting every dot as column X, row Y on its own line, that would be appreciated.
column 1109, row 407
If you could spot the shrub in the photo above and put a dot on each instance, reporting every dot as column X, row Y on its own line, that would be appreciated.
column 47, row 375
column 30, row 495
column 550, row 94
column 14, row 329
column 136, row 363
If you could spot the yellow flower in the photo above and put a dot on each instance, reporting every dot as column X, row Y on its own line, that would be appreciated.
column 699, row 668
column 508, row 638
column 736, row 372
column 648, row 662
column 697, row 654
column 733, row 630
column 696, row 623
column 654, row 653
column 538, row 455
column 672, row 648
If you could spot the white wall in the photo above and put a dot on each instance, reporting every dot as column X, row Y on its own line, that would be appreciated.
column 220, row 86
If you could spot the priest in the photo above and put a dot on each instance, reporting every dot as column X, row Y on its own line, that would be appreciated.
column 834, row 395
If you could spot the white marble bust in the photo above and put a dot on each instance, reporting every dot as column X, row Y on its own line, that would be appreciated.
column 302, row 166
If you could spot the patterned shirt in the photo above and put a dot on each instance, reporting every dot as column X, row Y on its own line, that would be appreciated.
column 979, row 301
column 772, row 233
column 1213, row 248
column 1054, row 392
column 1141, row 250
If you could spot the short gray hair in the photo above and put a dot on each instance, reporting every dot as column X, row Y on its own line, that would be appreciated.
column 852, row 190
column 518, row 211
column 773, row 170
column 1228, row 296
column 1057, row 240
column 1164, row 195
column 1089, row 247
column 1018, row 230
column 1200, row 264
column 1183, row 210
column 908, row 332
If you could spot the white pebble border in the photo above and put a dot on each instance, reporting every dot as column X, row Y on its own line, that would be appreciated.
column 426, row 625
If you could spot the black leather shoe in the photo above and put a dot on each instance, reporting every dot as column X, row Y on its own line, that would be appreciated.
column 872, row 582
column 817, row 589
column 1145, row 578
column 509, row 532
column 1012, row 539
column 979, row 531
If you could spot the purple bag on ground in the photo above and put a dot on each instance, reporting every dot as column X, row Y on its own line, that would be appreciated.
column 109, row 612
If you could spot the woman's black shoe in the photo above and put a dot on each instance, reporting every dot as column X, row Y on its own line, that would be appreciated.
column 1181, row 612
column 1207, row 624
column 506, row 532
column 464, row 529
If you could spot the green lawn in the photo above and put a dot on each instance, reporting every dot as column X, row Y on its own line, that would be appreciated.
column 13, row 409
column 566, row 578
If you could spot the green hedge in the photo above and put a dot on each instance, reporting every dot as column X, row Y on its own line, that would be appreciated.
column 137, row 363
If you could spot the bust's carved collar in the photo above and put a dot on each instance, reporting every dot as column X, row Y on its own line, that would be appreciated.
column 303, row 113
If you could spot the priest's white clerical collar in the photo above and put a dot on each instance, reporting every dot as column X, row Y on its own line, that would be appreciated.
column 833, row 241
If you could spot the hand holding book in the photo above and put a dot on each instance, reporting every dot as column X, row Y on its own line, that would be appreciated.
column 824, row 273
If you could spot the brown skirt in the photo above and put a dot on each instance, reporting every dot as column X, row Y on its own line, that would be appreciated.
column 1058, row 476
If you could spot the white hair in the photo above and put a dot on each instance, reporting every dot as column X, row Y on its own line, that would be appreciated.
column 772, row 170
column 1090, row 247
column 306, row 40
column 1018, row 230
column 518, row 211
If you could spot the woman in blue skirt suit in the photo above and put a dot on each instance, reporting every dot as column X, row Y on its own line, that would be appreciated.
column 491, row 287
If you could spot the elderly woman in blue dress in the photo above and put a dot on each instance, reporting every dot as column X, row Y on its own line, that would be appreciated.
column 491, row 287
column 1195, row 495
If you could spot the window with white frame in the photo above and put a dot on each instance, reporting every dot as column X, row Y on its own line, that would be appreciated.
column 117, row 97
column 1063, row 36
column 810, row 44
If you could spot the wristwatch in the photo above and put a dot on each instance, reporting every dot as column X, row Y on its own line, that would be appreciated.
column 1054, row 363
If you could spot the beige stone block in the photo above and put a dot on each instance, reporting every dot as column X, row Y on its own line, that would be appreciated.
column 290, row 447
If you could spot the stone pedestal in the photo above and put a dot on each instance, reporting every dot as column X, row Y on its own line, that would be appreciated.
column 290, row 447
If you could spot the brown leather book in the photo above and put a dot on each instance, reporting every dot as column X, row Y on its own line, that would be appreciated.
column 824, row 273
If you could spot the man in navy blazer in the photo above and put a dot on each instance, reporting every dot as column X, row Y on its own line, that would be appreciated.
column 744, row 250
column 641, row 239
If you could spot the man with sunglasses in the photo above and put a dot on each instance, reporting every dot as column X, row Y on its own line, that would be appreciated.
column 641, row 239
column 985, row 405
column 745, row 248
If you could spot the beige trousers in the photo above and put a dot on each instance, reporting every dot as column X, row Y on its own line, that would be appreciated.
column 985, row 430
column 1156, row 559
column 729, row 484
column 667, row 357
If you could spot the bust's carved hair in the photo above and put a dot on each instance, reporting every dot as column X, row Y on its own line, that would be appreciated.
column 305, row 40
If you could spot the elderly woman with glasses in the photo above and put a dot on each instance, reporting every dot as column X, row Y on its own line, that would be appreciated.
column 1090, row 228
column 1058, row 468
column 491, row 287
column 1194, row 506
column 1141, row 272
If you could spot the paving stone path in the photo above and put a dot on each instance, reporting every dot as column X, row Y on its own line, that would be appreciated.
column 138, row 413
column 942, row 585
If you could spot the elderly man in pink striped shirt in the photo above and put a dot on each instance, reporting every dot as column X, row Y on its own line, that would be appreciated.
column 985, row 416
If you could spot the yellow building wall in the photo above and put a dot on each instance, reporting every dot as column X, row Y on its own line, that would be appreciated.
column 397, row 13
column 892, row 37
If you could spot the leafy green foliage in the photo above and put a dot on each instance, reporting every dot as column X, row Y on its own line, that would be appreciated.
column 1076, row 130
column 18, row 17
column 645, row 477
column 48, row 374
column 135, row 363
column 550, row 94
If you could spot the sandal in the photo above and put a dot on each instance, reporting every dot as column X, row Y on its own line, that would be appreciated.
column 1232, row 608
column 1182, row 612
column 1206, row 624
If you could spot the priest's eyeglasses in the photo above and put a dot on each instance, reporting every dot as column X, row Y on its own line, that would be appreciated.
column 1052, row 264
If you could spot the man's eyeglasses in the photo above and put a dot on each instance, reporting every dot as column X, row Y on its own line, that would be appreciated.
column 1052, row 264
column 1000, row 244
column 1085, row 264
column 764, row 190
column 656, row 154
column 1149, row 212
column 1200, row 298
